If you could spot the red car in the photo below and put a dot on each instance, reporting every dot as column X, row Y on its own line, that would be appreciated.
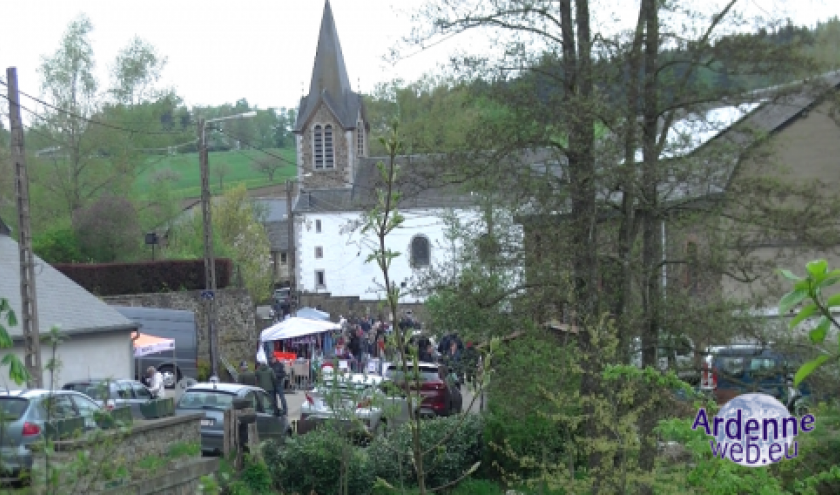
column 440, row 396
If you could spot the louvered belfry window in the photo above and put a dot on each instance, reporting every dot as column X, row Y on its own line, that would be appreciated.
column 329, row 150
column 318, row 138
column 360, row 145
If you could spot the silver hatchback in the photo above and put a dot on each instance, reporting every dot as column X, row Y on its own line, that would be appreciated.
column 114, row 393
column 213, row 399
column 24, row 417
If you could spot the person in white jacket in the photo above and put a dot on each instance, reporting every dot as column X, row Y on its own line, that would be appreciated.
column 156, row 386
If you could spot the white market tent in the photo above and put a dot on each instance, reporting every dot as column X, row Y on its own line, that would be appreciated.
column 296, row 327
column 149, row 344
column 313, row 314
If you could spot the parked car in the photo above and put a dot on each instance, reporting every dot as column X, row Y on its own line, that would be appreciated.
column 214, row 398
column 441, row 396
column 348, row 399
column 25, row 413
column 677, row 354
column 113, row 393
column 168, row 324
column 733, row 370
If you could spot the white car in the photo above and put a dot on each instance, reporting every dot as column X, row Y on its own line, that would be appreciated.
column 350, row 398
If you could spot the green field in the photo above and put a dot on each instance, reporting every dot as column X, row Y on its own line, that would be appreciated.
column 239, row 166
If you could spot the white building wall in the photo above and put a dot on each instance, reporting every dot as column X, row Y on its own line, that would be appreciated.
column 344, row 253
column 104, row 355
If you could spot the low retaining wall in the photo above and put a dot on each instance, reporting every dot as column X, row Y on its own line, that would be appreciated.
column 153, row 456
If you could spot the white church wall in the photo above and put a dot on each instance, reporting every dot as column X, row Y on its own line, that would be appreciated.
column 344, row 252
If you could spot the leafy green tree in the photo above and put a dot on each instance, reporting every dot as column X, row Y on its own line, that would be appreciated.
column 238, row 234
column 137, row 69
column 17, row 370
column 108, row 230
column 58, row 245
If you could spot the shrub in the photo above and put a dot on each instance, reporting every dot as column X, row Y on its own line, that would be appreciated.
column 391, row 455
column 524, row 427
column 116, row 279
column 312, row 462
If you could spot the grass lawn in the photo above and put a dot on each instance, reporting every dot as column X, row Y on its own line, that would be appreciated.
column 238, row 165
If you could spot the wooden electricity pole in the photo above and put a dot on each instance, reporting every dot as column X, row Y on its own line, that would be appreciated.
column 290, row 249
column 28, row 293
column 209, row 294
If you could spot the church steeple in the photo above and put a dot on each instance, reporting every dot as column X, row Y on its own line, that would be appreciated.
column 330, row 82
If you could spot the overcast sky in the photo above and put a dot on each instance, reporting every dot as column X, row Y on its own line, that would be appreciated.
column 262, row 50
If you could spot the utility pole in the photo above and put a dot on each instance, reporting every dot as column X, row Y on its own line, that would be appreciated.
column 292, row 247
column 209, row 294
column 28, row 293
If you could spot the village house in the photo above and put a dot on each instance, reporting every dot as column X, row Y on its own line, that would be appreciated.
column 98, row 339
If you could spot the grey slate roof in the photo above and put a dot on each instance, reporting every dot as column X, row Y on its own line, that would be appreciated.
column 60, row 300
column 274, row 208
column 330, row 82
column 278, row 235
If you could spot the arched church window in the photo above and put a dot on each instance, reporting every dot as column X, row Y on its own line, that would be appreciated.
column 421, row 253
column 318, row 139
column 329, row 150
column 360, row 144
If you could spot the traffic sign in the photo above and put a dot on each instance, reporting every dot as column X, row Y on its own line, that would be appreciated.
column 208, row 295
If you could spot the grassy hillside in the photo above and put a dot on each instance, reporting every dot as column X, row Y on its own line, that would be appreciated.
column 239, row 166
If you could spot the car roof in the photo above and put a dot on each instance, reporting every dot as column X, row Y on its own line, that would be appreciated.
column 359, row 378
column 410, row 364
column 231, row 388
column 100, row 380
column 35, row 392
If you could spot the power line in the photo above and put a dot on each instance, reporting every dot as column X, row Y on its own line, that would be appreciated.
column 91, row 121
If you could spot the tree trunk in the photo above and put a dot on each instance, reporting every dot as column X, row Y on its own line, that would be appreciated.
column 651, row 255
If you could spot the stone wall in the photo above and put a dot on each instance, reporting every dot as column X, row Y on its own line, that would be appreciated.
column 235, row 318
column 354, row 306
column 123, row 458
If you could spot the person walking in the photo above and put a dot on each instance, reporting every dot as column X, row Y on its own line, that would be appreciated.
column 279, row 385
column 267, row 380
column 155, row 379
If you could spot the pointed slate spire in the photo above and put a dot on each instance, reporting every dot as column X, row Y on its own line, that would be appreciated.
column 330, row 81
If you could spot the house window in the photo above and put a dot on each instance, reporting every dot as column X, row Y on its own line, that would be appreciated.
column 329, row 150
column 317, row 226
column 360, row 134
column 318, row 140
column 692, row 275
column 421, row 255
column 282, row 258
column 320, row 279
column 319, row 252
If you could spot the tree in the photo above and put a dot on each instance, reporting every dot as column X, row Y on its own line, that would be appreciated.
column 268, row 165
column 238, row 234
column 607, row 113
column 220, row 171
column 17, row 370
column 137, row 68
column 108, row 229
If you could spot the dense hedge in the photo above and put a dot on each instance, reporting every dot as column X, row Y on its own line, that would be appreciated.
column 117, row 279
column 460, row 448
column 311, row 463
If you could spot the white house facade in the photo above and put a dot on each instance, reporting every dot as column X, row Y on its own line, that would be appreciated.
column 333, row 253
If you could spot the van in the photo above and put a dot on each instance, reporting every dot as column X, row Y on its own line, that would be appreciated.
column 168, row 324
column 729, row 371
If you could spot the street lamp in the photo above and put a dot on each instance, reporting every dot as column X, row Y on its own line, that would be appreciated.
column 209, row 294
column 292, row 246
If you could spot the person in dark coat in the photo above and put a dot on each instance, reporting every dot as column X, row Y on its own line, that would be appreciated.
column 279, row 382
column 267, row 380
column 245, row 375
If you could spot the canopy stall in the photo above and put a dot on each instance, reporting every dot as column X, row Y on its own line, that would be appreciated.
column 296, row 327
column 146, row 345
column 313, row 314
column 149, row 344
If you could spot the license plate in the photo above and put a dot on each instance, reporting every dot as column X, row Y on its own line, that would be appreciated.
column 207, row 422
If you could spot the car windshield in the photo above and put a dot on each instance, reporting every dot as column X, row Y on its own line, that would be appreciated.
column 206, row 399
column 12, row 408
column 94, row 390
column 426, row 374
